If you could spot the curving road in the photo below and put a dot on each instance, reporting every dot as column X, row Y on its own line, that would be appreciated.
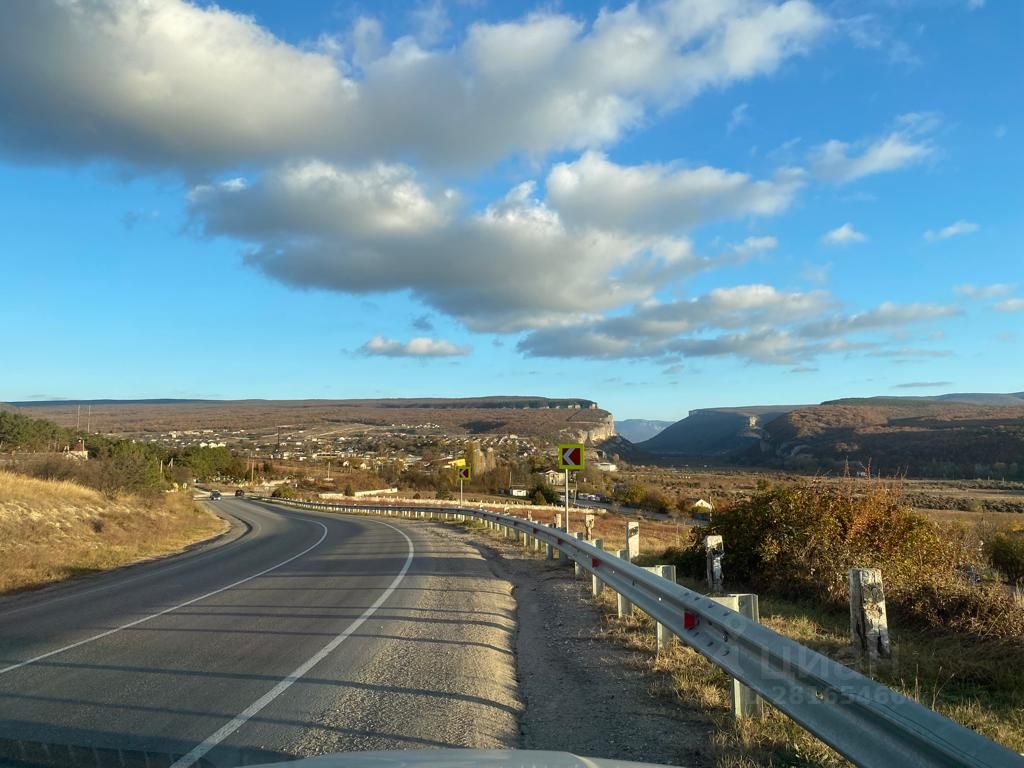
column 298, row 633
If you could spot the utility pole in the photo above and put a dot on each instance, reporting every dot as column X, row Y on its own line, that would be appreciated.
column 88, row 422
column 78, row 419
column 328, row 470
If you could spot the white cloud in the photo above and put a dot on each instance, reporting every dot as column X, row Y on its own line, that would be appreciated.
column 737, row 117
column 515, row 265
column 993, row 291
column 662, row 198
column 844, row 235
column 840, row 163
column 753, row 315
column 960, row 227
column 974, row 5
column 170, row 84
column 420, row 346
column 885, row 315
column 1010, row 305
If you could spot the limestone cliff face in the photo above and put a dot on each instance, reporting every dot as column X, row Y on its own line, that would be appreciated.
column 595, row 431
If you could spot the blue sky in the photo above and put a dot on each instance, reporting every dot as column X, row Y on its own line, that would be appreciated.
column 660, row 206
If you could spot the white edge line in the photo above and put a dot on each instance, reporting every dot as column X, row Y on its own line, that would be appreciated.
column 229, row 728
column 144, row 619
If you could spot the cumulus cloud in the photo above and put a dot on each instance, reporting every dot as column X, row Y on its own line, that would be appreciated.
column 420, row 346
column 840, row 163
column 517, row 264
column 981, row 292
column 660, row 198
column 171, row 84
column 753, row 312
column 1010, row 305
column 844, row 235
column 960, row 227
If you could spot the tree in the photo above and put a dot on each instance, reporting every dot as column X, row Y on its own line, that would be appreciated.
column 348, row 491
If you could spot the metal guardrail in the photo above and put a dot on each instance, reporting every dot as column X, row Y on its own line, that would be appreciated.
column 867, row 722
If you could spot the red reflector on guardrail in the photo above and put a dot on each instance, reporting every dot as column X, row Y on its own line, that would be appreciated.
column 689, row 620
column 594, row 562
column 559, row 541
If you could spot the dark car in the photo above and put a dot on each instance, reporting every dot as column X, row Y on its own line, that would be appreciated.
column 214, row 495
column 239, row 492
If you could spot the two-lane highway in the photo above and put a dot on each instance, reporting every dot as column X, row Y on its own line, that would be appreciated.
column 310, row 633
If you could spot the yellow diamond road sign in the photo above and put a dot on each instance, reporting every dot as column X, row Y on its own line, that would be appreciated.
column 570, row 456
column 464, row 473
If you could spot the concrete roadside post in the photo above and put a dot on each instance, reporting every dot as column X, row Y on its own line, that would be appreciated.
column 666, row 572
column 632, row 541
column 588, row 523
column 714, row 547
column 869, row 627
column 596, row 585
column 625, row 608
column 745, row 703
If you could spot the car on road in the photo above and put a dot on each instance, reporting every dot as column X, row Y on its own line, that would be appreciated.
column 214, row 495
column 239, row 492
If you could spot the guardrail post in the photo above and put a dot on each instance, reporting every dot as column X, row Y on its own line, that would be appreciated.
column 632, row 541
column 745, row 703
column 869, row 628
column 666, row 572
column 550, row 550
column 596, row 585
column 625, row 607
column 714, row 547
column 577, row 569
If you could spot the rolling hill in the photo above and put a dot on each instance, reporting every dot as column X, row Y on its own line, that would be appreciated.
column 540, row 417
column 715, row 431
column 954, row 435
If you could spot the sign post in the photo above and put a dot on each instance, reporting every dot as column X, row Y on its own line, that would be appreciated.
column 570, row 456
column 464, row 474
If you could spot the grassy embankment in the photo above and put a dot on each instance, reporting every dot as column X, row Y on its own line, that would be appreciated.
column 972, row 674
column 51, row 531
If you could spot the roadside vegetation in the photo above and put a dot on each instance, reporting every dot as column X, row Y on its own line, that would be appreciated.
column 956, row 641
column 54, row 530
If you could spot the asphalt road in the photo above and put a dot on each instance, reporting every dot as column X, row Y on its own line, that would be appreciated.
column 299, row 634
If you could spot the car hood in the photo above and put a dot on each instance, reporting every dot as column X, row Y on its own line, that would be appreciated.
column 456, row 758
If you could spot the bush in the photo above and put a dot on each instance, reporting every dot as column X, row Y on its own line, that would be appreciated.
column 443, row 494
column 545, row 492
column 1006, row 554
column 348, row 491
column 800, row 540
column 284, row 492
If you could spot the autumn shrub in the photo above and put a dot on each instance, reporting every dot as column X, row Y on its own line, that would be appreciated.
column 1006, row 554
column 799, row 540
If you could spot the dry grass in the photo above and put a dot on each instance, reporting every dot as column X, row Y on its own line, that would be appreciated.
column 51, row 531
column 970, row 680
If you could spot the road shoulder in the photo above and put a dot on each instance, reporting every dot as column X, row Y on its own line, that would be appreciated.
column 583, row 693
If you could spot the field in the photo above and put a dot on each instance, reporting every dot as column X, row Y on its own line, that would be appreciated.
column 52, row 531
column 943, row 500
